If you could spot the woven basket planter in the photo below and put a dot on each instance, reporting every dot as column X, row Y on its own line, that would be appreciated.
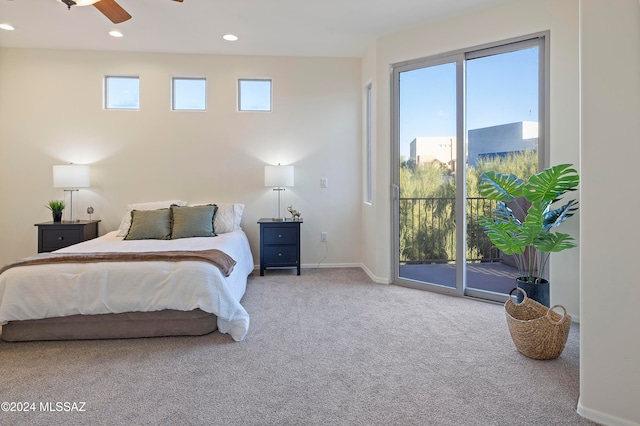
column 537, row 331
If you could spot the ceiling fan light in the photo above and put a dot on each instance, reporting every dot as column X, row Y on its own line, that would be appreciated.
column 6, row 27
column 230, row 37
column 115, row 33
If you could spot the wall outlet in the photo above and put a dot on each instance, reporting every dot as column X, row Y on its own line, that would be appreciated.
column 323, row 236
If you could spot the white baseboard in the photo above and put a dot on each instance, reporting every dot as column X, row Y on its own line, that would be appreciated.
column 321, row 266
column 329, row 265
column 366, row 270
column 602, row 418
column 375, row 279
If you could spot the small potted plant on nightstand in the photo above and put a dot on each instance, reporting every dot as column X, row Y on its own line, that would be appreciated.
column 56, row 207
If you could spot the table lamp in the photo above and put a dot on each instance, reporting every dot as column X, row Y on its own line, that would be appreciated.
column 278, row 177
column 71, row 177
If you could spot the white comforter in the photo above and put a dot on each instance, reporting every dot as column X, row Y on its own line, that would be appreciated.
column 56, row 290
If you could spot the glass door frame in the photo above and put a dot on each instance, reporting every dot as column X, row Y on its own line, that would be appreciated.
column 397, row 69
column 459, row 57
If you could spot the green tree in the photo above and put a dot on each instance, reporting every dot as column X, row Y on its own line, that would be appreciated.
column 427, row 206
column 427, row 193
column 523, row 163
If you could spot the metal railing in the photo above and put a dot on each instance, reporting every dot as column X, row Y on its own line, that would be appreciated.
column 428, row 227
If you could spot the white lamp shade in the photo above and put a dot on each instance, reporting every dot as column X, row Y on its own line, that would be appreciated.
column 278, row 176
column 71, row 176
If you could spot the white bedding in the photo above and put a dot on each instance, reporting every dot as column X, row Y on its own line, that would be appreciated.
column 56, row 290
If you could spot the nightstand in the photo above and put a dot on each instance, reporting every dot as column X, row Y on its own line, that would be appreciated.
column 279, row 244
column 56, row 235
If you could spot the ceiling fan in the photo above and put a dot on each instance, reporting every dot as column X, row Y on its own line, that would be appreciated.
column 108, row 8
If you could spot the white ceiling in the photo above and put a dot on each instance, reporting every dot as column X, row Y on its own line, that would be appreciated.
column 265, row 27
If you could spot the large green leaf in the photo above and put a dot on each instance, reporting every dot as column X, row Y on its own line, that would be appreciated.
column 503, row 235
column 531, row 231
column 515, row 237
column 532, row 227
column 554, row 242
column 551, row 183
column 500, row 186
column 504, row 214
column 555, row 217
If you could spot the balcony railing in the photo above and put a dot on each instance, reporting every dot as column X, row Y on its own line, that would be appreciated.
column 428, row 227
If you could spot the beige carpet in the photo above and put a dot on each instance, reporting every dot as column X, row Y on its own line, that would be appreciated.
column 325, row 348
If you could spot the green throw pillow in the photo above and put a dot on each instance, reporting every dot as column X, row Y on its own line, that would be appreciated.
column 150, row 225
column 192, row 221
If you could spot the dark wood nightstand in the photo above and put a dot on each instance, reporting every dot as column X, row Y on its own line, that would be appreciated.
column 56, row 235
column 279, row 244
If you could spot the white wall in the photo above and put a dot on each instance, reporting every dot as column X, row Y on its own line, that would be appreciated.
column 374, row 229
column 610, row 339
column 598, row 281
column 51, row 113
column 513, row 19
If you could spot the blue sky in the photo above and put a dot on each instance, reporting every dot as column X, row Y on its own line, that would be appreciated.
column 500, row 89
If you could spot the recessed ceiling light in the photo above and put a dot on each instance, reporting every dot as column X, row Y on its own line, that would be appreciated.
column 6, row 27
column 115, row 33
column 230, row 37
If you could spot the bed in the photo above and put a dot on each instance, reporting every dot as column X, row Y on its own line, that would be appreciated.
column 115, row 286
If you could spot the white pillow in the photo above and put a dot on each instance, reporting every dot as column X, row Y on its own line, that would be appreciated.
column 227, row 218
column 125, row 224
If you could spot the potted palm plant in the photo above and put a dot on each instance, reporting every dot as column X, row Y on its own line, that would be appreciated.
column 523, row 221
column 56, row 207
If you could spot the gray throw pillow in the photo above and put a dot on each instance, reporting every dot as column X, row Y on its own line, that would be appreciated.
column 150, row 225
column 192, row 221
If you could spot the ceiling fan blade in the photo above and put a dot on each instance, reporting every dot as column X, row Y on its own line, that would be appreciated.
column 112, row 10
column 179, row 1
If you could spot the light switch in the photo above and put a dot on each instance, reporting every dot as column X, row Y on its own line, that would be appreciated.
column 323, row 182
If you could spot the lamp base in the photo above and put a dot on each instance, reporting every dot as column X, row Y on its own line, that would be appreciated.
column 72, row 212
column 278, row 219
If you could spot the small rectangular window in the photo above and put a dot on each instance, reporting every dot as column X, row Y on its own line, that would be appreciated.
column 122, row 92
column 254, row 95
column 189, row 94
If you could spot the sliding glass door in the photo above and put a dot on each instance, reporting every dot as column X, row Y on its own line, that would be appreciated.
column 427, row 179
column 455, row 117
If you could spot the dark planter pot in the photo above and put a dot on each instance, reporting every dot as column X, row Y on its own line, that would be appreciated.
column 57, row 216
column 537, row 291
